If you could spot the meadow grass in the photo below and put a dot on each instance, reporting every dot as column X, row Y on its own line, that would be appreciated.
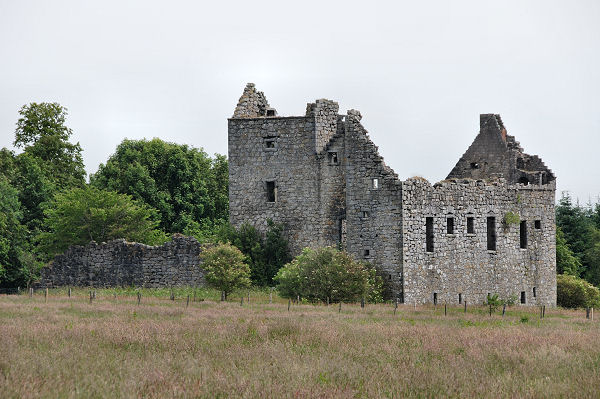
column 63, row 348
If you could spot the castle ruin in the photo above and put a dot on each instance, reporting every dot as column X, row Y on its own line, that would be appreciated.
column 489, row 228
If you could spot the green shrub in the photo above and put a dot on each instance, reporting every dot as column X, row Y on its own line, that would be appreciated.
column 326, row 273
column 574, row 292
column 511, row 218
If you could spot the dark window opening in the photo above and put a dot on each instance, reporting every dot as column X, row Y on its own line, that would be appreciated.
column 270, row 142
column 390, row 277
column 470, row 225
column 401, row 297
column 524, row 180
column 538, row 224
column 271, row 191
column 435, row 298
column 450, row 225
column 523, row 233
column 429, row 234
column 270, row 112
column 365, row 214
column 459, row 298
column 534, row 292
column 491, row 233
column 474, row 165
column 366, row 252
column 522, row 296
column 333, row 158
column 375, row 184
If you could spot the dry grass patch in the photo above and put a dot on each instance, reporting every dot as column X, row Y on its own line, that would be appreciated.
column 115, row 348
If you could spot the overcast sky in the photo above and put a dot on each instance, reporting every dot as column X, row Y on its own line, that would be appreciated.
column 420, row 72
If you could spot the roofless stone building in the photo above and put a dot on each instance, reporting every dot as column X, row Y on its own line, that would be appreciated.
column 488, row 228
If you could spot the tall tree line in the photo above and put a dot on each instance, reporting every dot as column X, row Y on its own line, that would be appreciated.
column 578, row 239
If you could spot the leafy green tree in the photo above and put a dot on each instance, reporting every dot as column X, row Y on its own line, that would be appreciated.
column 566, row 262
column 592, row 259
column 319, row 274
column 81, row 215
column 12, row 234
column 42, row 133
column 574, row 292
column 265, row 255
column 188, row 189
column 225, row 268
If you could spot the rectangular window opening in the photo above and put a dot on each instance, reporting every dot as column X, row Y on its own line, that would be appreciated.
column 366, row 252
column 375, row 184
column 333, row 158
column 522, row 296
column 271, row 192
column 534, row 294
column 523, row 234
column 365, row 214
column 460, row 298
column 538, row 224
column 470, row 225
column 270, row 142
column 429, row 234
column 270, row 112
column 435, row 298
column 491, row 233
column 450, row 225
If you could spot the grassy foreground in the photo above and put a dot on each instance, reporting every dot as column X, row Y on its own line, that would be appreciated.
column 114, row 348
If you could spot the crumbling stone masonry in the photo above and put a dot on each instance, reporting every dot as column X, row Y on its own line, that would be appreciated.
column 488, row 228
column 119, row 263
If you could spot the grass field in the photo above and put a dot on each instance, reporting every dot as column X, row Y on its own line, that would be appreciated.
column 114, row 348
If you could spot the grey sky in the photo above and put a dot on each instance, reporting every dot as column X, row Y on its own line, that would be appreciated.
column 420, row 72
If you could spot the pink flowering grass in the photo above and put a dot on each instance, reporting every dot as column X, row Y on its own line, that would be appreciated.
column 114, row 348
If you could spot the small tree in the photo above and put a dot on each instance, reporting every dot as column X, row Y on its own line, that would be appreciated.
column 225, row 268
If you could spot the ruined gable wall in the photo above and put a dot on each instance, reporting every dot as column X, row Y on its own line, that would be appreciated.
column 379, row 231
column 119, row 263
column 292, row 165
column 461, row 263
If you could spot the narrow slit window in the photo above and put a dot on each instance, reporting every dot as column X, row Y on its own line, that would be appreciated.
column 491, row 233
column 523, row 297
column 460, row 298
column 450, row 225
column 271, row 192
column 534, row 293
column 470, row 225
column 523, row 234
column 429, row 234
column 537, row 224
column 375, row 183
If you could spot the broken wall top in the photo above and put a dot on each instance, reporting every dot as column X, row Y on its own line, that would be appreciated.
column 495, row 154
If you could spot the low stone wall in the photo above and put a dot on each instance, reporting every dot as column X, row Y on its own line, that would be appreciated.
column 121, row 263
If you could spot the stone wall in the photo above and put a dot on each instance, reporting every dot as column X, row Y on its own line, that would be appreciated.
column 120, row 263
column 460, row 262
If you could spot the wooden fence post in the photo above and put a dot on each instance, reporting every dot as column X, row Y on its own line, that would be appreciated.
column 289, row 303
column 445, row 311
column 242, row 300
column 587, row 313
column 465, row 306
column 222, row 296
column 46, row 295
column 139, row 296
column 298, row 300
column 30, row 292
column 395, row 306
column 90, row 297
column 503, row 309
column 69, row 292
column 271, row 296
column 340, row 308
column 490, row 310
column 172, row 295
column 362, row 303
column 327, row 301
column 187, row 303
